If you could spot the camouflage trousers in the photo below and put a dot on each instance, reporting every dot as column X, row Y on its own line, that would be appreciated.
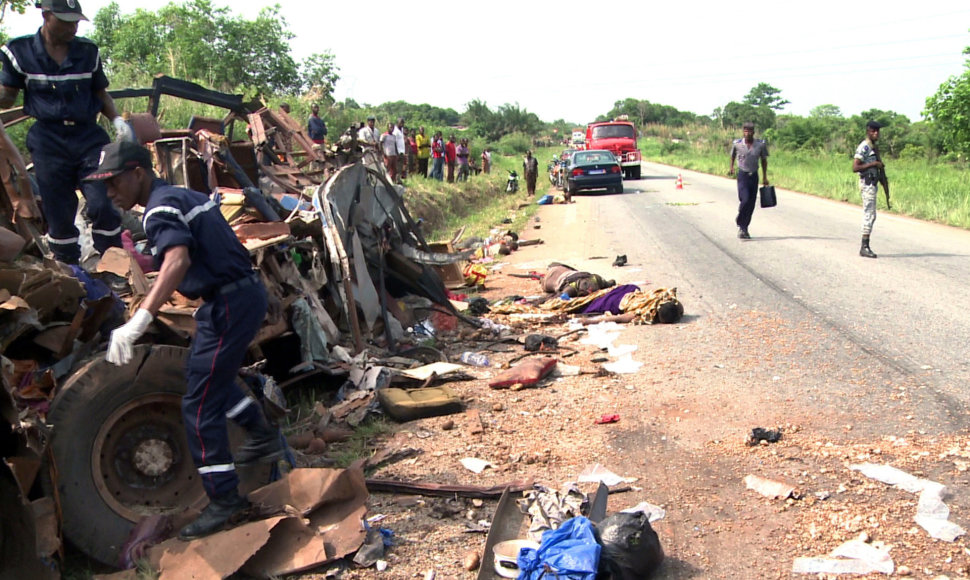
column 869, row 195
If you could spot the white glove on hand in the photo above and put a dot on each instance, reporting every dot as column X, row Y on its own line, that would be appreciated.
column 123, row 338
column 123, row 130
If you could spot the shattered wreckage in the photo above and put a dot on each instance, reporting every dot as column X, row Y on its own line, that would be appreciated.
column 90, row 450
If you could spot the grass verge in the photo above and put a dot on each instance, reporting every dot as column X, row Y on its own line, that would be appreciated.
column 929, row 191
column 479, row 204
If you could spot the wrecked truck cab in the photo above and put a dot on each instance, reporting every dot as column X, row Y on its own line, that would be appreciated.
column 104, row 445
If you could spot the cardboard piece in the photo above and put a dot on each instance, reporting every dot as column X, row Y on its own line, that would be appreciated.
column 334, row 500
column 8, row 302
column 450, row 274
column 261, row 230
column 335, row 529
column 116, row 261
column 45, row 515
column 253, row 244
column 214, row 557
column 306, row 489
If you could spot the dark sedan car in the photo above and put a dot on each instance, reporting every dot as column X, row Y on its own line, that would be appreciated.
column 594, row 169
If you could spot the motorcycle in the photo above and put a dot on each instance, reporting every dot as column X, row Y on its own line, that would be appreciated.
column 553, row 169
column 513, row 184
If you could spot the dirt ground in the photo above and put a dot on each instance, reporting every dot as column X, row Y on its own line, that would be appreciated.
column 684, row 417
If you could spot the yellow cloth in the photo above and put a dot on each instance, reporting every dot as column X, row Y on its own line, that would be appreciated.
column 646, row 304
column 424, row 146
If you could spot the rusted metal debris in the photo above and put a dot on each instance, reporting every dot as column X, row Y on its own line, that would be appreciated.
column 329, row 237
column 447, row 490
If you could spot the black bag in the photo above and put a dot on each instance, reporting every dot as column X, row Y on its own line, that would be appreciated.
column 631, row 549
column 768, row 198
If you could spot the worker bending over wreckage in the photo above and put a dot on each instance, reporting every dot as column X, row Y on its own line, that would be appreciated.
column 198, row 254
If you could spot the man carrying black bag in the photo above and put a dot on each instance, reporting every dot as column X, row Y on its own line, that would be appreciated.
column 748, row 151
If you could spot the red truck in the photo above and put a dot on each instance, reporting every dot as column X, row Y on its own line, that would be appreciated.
column 620, row 137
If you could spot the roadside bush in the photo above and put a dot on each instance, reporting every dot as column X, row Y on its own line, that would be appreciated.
column 514, row 144
column 673, row 146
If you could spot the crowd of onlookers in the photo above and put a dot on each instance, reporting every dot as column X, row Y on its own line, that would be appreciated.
column 406, row 151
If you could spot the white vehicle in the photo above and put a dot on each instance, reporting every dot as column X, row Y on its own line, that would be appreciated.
column 578, row 140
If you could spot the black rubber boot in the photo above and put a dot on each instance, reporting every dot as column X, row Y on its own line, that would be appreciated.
column 262, row 445
column 222, row 512
column 865, row 251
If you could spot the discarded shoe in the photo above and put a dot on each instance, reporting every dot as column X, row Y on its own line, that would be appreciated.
column 221, row 512
column 743, row 234
column 619, row 261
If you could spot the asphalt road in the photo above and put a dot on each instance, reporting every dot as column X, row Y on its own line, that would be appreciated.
column 903, row 311
column 790, row 328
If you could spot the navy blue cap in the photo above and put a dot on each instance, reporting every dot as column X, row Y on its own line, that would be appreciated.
column 118, row 157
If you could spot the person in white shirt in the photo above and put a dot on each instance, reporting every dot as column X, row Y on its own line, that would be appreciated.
column 401, row 147
column 389, row 147
column 368, row 136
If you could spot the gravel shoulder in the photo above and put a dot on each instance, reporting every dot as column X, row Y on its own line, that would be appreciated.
column 706, row 382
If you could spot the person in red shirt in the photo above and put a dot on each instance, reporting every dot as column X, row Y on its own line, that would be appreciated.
column 438, row 156
column 412, row 152
column 451, row 157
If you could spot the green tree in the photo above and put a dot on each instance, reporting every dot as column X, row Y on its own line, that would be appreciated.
column 642, row 112
column 515, row 119
column 765, row 95
column 481, row 120
column 319, row 76
column 198, row 41
column 893, row 138
column 18, row 6
column 826, row 112
column 949, row 110
column 735, row 114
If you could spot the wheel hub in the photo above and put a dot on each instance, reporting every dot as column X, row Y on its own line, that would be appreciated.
column 140, row 460
column 153, row 457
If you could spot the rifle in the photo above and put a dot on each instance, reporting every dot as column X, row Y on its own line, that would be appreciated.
column 882, row 178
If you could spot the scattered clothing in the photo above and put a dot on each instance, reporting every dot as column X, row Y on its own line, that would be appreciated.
column 610, row 302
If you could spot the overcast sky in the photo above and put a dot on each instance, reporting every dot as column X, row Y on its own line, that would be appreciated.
column 573, row 60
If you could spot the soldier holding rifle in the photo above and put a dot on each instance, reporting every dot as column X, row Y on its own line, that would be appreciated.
column 872, row 172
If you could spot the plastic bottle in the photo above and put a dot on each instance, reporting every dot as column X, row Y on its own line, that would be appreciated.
column 474, row 359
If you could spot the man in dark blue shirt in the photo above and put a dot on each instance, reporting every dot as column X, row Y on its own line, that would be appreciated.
column 316, row 129
column 64, row 89
column 197, row 254
column 747, row 151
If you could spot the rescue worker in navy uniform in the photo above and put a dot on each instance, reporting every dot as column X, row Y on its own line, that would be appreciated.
column 198, row 254
column 64, row 90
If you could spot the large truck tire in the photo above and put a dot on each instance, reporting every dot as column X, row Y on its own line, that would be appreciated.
column 120, row 450
column 636, row 172
column 18, row 545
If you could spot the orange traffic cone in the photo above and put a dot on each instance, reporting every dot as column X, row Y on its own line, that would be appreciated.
column 680, row 182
